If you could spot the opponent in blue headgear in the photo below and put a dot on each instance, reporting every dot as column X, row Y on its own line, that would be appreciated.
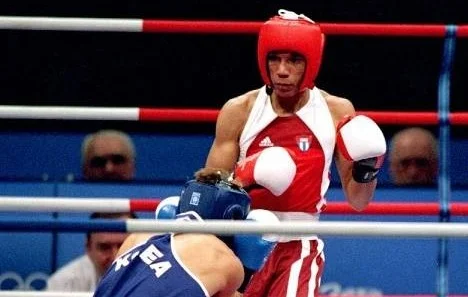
column 218, row 199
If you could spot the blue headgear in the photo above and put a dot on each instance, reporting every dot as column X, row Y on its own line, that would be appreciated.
column 218, row 201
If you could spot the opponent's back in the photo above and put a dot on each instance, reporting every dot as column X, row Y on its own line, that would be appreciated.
column 151, row 269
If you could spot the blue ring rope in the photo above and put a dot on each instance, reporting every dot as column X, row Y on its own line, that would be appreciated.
column 444, row 152
column 74, row 225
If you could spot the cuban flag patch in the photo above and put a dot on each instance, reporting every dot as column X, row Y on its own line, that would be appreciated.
column 304, row 142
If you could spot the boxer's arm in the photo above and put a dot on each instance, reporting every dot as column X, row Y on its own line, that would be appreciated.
column 233, row 275
column 357, row 194
column 224, row 151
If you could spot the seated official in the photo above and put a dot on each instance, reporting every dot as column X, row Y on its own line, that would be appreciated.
column 83, row 273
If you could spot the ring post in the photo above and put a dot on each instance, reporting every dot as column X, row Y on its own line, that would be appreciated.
column 444, row 153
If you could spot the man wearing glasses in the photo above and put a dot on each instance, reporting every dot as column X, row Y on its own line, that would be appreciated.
column 108, row 155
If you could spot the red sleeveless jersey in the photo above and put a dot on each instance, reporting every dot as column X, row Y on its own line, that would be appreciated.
column 310, row 134
column 304, row 192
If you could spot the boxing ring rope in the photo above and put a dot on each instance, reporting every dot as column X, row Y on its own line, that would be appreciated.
column 78, row 204
column 230, row 227
column 195, row 115
column 443, row 117
column 213, row 27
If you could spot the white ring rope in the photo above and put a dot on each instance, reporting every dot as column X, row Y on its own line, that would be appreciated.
column 412, row 229
column 71, row 24
column 43, row 294
column 69, row 113
column 63, row 204
column 349, row 228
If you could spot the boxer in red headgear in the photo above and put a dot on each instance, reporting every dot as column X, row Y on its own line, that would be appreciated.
column 291, row 32
column 279, row 141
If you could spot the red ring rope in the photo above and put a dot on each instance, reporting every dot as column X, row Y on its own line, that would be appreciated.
column 86, row 204
column 398, row 208
column 195, row 115
column 226, row 27
column 381, row 117
column 215, row 27
column 178, row 115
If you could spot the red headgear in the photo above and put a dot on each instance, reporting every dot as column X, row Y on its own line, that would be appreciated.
column 291, row 32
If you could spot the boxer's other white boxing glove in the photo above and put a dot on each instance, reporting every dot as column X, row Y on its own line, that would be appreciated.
column 360, row 139
column 273, row 168
column 167, row 208
column 253, row 250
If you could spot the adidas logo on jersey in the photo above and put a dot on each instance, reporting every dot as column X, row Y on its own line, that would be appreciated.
column 266, row 142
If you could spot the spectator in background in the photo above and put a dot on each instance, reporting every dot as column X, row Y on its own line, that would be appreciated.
column 108, row 155
column 82, row 274
column 413, row 157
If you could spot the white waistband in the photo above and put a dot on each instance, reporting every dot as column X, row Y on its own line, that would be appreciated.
column 286, row 216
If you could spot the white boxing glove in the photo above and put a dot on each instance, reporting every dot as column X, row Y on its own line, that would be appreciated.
column 360, row 139
column 272, row 168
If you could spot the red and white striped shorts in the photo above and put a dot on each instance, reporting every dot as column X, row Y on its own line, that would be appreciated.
column 293, row 269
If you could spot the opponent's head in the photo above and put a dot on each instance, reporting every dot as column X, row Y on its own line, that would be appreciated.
column 290, row 32
column 218, row 201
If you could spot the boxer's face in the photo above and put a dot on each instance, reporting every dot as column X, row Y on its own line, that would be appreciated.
column 286, row 72
column 108, row 159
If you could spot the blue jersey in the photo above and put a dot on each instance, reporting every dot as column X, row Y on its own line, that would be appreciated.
column 151, row 269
